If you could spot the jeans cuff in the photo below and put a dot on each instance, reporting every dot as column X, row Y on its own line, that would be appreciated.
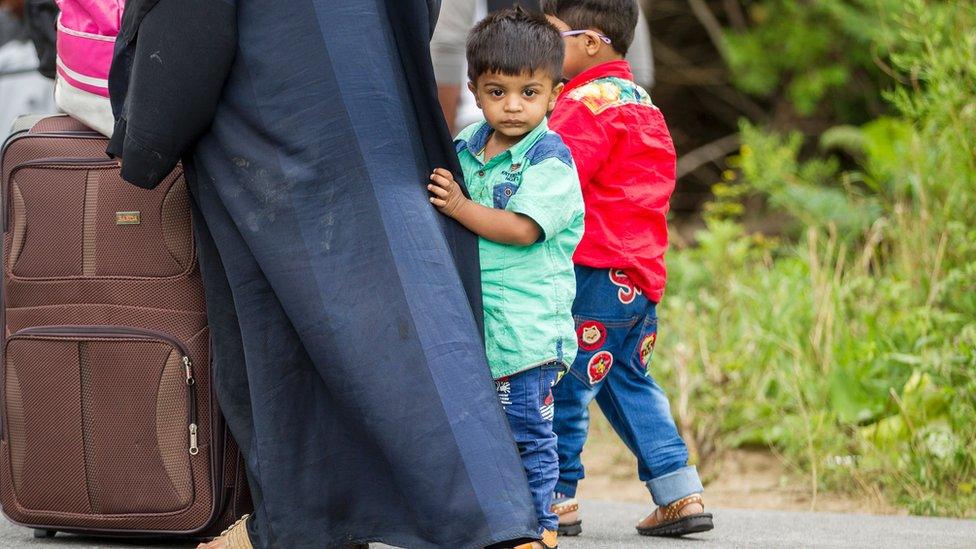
column 671, row 487
column 566, row 488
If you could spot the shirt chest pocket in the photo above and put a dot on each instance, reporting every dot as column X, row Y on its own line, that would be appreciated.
column 502, row 193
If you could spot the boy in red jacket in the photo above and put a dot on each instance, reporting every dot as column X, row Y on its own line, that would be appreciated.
column 626, row 165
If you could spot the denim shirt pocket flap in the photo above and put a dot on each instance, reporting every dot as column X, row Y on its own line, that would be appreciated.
column 502, row 193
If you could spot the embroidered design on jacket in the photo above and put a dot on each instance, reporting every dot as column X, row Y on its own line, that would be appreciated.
column 604, row 93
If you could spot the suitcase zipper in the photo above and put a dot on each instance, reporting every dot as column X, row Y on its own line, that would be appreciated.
column 54, row 161
column 122, row 332
column 70, row 134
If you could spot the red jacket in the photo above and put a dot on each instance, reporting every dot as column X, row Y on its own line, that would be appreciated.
column 626, row 163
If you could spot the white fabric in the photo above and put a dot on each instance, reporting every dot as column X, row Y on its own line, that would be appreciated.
column 93, row 110
column 89, row 80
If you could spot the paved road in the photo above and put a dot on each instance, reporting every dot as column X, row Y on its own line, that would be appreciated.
column 610, row 525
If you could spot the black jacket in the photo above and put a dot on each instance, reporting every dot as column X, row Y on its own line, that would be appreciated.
column 170, row 62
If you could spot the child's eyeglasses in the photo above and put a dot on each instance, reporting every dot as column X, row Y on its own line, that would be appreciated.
column 564, row 34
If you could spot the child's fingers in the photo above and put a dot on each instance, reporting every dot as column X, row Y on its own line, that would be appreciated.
column 441, row 181
column 443, row 173
column 440, row 192
column 438, row 202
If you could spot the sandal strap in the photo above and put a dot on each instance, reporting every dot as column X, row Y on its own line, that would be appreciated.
column 565, row 507
column 234, row 525
column 235, row 536
column 672, row 511
column 549, row 539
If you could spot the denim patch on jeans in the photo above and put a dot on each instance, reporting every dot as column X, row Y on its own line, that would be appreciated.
column 616, row 328
column 528, row 403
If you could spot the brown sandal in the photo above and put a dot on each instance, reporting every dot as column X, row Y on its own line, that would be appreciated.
column 570, row 523
column 234, row 537
column 549, row 541
column 672, row 520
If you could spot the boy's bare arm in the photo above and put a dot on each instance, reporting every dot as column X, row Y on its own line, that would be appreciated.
column 490, row 223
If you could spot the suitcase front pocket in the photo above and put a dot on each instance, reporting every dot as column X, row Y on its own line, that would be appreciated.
column 100, row 420
column 77, row 218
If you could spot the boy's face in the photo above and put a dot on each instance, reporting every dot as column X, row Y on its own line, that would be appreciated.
column 515, row 104
column 582, row 50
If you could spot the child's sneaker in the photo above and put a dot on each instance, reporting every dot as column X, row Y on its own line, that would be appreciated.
column 685, row 516
column 567, row 509
column 549, row 541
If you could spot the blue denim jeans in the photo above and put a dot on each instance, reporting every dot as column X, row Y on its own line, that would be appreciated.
column 527, row 400
column 616, row 327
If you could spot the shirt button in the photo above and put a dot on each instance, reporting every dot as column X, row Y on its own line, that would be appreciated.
column 481, row 173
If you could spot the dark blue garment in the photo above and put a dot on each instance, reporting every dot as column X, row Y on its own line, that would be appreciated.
column 528, row 403
column 348, row 355
column 617, row 329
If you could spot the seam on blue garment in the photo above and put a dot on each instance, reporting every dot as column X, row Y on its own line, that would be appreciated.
column 425, row 346
column 550, row 146
column 581, row 364
column 617, row 322
column 261, row 512
column 616, row 405
column 479, row 139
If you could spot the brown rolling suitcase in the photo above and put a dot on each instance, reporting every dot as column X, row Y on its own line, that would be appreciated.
column 109, row 421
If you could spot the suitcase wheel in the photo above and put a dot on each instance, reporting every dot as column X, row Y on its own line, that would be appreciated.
column 41, row 533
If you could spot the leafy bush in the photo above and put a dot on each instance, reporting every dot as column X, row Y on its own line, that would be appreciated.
column 821, row 55
column 850, row 344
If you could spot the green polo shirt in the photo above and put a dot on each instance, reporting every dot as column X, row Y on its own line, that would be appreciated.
column 527, row 291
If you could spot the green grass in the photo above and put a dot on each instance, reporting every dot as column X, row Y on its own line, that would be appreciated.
column 848, row 342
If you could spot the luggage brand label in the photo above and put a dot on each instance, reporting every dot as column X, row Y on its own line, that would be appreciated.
column 128, row 218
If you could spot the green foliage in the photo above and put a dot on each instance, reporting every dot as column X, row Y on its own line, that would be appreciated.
column 850, row 345
column 816, row 53
column 806, row 190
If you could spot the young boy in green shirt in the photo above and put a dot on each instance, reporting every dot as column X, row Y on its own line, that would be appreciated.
column 527, row 207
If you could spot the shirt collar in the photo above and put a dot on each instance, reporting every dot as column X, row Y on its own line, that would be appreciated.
column 479, row 139
column 619, row 69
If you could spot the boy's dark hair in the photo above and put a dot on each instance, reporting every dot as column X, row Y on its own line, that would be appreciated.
column 513, row 41
column 617, row 19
